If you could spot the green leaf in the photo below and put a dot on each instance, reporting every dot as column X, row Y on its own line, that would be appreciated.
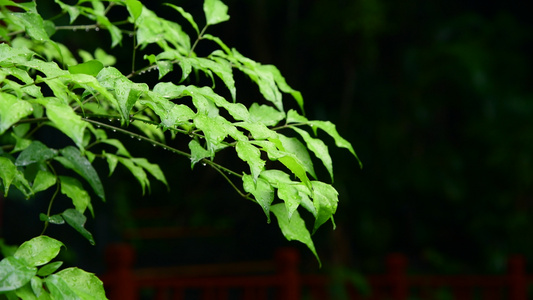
column 319, row 148
column 35, row 152
column 127, row 92
column 11, row 175
column 12, row 110
column 38, row 251
column 33, row 23
column 66, row 120
column 222, row 68
column 21, row 143
column 250, row 154
column 258, row 131
column 283, row 86
column 293, row 228
column 215, row 129
column 38, row 288
column 25, row 292
column 134, row 8
column 104, row 58
column 186, row 15
column 75, row 191
column 43, row 180
column 77, row 221
column 137, row 172
column 197, row 152
column 91, row 67
column 121, row 150
column 153, row 169
column 262, row 190
column 73, row 11
column 292, row 194
column 85, row 285
column 299, row 152
column 14, row 273
column 215, row 12
column 54, row 219
column 294, row 117
column 112, row 161
column 83, row 167
column 331, row 129
column 325, row 200
column 49, row 268
column 59, row 289
column 266, row 115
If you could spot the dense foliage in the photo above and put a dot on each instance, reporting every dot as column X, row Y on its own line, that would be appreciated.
column 45, row 86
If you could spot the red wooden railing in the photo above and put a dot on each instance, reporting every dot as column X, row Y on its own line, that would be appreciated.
column 281, row 279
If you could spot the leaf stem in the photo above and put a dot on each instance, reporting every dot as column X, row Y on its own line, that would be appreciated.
column 58, row 185
column 200, row 36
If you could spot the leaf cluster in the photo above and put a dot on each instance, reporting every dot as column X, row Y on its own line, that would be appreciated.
column 42, row 84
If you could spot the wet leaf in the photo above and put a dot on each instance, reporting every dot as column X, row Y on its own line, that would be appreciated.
column 215, row 12
column 14, row 273
column 262, row 190
column 38, row 251
column 12, row 110
column 77, row 221
column 35, row 152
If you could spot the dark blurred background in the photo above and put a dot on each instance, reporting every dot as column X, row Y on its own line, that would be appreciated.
column 436, row 98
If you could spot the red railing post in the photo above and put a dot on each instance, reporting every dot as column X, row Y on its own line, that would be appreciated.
column 517, row 278
column 289, row 274
column 396, row 269
column 119, row 280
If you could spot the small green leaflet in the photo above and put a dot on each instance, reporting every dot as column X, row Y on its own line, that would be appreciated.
column 134, row 8
column 75, row 191
column 73, row 159
column 266, row 115
column 319, row 148
column 250, row 154
column 186, row 15
column 137, row 172
column 127, row 92
column 66, row 120
column 38, row 251
column 153, row 169
column 14, row 273
column 12, row 110
column 262, row 190
column 293, row 228
column 33, row 23
column 215, row 12
column 325, row 198
column 11, row 175
column 43, row 180
column 197, row 152
column 91, row 67
column 77, row 221
column 84, row 285
column 35, row 152
column 49, row 268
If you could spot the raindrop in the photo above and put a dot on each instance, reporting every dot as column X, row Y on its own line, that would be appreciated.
column 130, row 35
column 73, row 29
column 87, row 29
column 131, row 136
column 114, row 130
column 154, row 145
column 97, row 29
column 204, row 164
column 110, row 120
column 98, row 126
